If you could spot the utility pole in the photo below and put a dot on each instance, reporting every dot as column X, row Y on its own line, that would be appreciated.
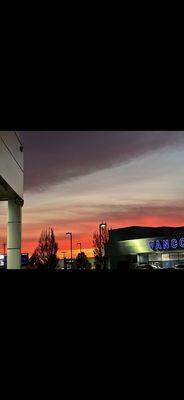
column 79, row 246
column 102, row 225
column 70, row 233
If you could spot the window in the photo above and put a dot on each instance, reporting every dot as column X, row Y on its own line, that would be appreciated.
column 155, row 257
column 165, row 257
column 181, row 256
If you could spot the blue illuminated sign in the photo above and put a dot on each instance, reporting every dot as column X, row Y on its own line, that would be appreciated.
column 167, row 244
column 181, row 242
column 174, row 243
column 158, row 245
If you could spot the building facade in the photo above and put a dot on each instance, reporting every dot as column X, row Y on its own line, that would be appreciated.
column 11, row 190
column 136, row 245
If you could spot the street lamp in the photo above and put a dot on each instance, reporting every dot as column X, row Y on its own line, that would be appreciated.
column 102, row 225
column 70, row 233
column 80, row 246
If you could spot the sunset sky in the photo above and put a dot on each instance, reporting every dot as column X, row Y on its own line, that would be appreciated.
column 75, row 180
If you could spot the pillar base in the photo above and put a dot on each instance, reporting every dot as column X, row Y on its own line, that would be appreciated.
column 14, row 235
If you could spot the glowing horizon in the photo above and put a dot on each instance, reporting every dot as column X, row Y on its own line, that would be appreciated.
column 75, row 184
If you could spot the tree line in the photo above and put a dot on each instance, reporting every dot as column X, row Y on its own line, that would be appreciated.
column 45, row 255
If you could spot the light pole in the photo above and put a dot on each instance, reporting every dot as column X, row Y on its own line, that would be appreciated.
column 80, row 246
column 64, row 252
column 70, row 233
column 102, row 225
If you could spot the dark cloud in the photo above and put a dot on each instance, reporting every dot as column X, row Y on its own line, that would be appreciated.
column 52, row 157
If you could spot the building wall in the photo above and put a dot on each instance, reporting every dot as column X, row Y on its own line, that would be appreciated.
column 128, row 246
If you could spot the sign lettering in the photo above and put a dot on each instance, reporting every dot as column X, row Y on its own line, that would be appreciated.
column 167, row 244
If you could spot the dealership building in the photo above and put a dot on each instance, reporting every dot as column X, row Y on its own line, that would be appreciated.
column 162, row 246
column 11, row 191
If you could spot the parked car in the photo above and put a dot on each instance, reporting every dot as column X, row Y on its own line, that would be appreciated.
column 179, row 266
column 149, row 267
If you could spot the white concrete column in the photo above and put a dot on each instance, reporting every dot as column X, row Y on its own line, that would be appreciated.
column 14, row 235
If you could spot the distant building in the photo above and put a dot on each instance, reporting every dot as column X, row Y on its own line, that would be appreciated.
column 66, row 263
column 162, row 246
